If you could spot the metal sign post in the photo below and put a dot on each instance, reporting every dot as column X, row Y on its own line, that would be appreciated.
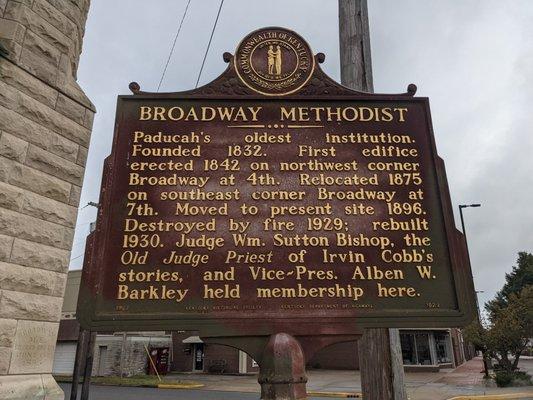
column 79, row 362
column 88, row 367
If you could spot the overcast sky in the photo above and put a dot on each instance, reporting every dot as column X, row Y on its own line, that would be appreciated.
column 473, row 59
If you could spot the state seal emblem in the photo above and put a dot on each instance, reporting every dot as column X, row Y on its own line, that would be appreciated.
column 274, row 61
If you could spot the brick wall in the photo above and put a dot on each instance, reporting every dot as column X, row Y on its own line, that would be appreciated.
column 336, row 356
column 215, row 352
column 184, row 353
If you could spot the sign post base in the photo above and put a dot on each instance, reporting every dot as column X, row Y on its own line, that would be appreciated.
column 281, row 358
column 381, row 367
column 282, row 370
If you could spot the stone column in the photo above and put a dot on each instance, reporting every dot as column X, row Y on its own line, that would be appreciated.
column 45, row 127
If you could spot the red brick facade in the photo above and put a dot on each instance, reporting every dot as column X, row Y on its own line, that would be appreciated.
column 336, row 356
column 216, row 357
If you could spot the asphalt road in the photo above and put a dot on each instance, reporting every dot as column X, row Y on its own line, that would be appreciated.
column 136, row 393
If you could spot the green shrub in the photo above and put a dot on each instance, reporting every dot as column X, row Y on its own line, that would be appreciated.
column 503, row 378
column 516, row 378
column 521, row 378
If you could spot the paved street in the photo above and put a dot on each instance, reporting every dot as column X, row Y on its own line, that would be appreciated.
column 129, row 393
column 442, row 385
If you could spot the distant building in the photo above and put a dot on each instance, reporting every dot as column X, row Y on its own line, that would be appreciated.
column 191, row 354
column 119, row 353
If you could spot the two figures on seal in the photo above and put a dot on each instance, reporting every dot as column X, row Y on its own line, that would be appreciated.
column 274, row 60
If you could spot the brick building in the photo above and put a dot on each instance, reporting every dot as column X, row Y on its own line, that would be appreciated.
column 115, row 353
column 191, row 354
column 422, row 350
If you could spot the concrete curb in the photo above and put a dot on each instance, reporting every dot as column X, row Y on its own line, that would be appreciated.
column 179, row 385
column 509, row 396
column 349, row 395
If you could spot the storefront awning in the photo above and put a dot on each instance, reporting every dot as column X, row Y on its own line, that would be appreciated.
column 192, row 339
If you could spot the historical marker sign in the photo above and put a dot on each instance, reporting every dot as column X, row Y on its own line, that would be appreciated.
column 274, row 199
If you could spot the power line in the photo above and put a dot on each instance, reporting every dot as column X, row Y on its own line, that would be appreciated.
column 83, row 224
column 173, row 45
column 209, row 44
column 72, row 259
column 90, row 203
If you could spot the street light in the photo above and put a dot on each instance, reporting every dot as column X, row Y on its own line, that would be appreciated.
column 461, row 206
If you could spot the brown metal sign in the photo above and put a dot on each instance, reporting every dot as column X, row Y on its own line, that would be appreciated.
column 273, row 199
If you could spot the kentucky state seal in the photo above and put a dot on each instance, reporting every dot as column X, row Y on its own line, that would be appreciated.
column 274, row 61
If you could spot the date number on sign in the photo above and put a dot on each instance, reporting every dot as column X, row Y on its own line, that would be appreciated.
column 412, row 178
column 224, row 165
column 142, row 241
column 325, row 224
column 405, row 208
column 247, row 150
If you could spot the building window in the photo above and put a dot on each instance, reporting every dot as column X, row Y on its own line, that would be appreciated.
column 416, row 348
column 422, row 349
column 407, row 341
column 442, row 344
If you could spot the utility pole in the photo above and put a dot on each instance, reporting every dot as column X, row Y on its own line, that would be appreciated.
column 483, row 353
column 354, row 40
column 380, row 353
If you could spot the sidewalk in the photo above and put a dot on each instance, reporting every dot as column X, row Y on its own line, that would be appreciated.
column 442, row 385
